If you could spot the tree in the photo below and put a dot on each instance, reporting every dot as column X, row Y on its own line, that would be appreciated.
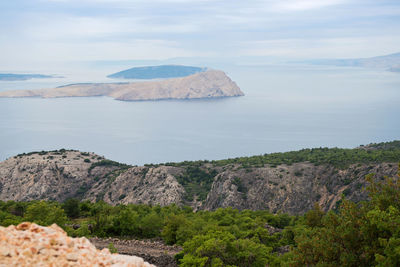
column 45, row 213
column 126, row 222
column 314, row 216
column 71, row 208
column 363, row 234
column 221, row 248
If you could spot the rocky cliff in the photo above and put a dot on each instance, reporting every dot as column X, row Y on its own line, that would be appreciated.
column 208, row 84
column 291, row 188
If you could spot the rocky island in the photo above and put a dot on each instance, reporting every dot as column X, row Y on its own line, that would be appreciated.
column 208, row 84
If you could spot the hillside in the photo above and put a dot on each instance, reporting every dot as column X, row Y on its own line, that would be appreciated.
column 157, row 72
column 289, row 182
column 209, row 84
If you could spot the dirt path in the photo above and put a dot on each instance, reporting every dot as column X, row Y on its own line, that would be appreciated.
column 154, row 252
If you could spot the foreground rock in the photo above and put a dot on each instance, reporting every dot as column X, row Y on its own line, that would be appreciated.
column 208, row 84
column 33, row 245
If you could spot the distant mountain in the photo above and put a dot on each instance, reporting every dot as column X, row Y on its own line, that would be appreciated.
column 388, row 62
column 22, row 77
column 157, row 72
column 208, row 84
column 395, row 68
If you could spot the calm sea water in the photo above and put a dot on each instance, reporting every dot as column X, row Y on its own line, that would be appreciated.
column 285, row 108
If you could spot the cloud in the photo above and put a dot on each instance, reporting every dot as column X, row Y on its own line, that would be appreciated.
column 73, row 28
column 298, row 5
column 133, row 29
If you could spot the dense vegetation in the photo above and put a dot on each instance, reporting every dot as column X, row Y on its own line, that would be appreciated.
column 338, row 157
column 108, row 163
column 357, row 234
column 223, row 236
column 197, row 182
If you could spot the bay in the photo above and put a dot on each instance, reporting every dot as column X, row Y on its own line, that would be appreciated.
column 285, row 107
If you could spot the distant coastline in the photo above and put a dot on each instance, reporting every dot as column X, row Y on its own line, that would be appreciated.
column 22, row 77
column 387, row 62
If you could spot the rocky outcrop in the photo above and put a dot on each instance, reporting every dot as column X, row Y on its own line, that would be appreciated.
column 208, row 84
column 55, row 175
column 142, row 185
column 59, row 175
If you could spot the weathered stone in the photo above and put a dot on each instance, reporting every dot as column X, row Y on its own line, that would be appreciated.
column 29, row 244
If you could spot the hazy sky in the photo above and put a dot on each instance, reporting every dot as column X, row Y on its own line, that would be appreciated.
column 69, row 30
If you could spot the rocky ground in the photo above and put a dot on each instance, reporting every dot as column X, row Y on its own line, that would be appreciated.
column 154, row 252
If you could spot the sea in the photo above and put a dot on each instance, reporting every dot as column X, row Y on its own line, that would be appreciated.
column 286, row 107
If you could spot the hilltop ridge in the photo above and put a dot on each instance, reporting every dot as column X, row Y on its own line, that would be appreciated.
column 288, row 182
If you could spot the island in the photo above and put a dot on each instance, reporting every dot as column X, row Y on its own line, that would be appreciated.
column 22, row 77
column 157, row 72
column 207, row 84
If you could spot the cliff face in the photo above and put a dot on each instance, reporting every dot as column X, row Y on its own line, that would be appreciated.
column 294, row 188
column 209, row 84
column 140, row 185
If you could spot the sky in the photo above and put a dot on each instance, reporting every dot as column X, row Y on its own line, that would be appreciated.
column 43, row 31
